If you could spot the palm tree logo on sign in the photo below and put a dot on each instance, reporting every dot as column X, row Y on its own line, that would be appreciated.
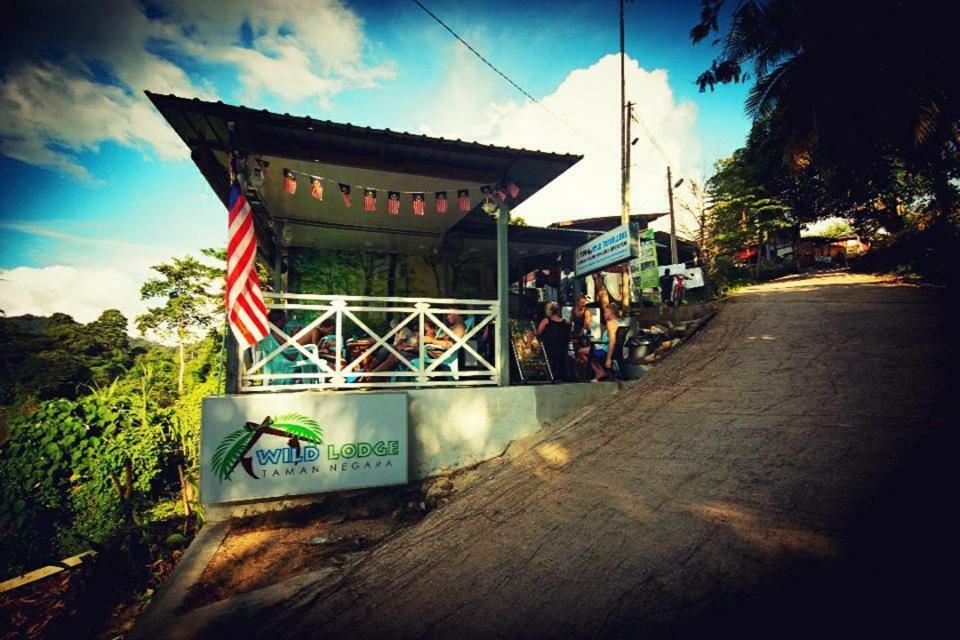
column 235, row 447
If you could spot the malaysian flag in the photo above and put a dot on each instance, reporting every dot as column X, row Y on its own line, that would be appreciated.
column 418, row 204
column 369, row 199
column 316, row 187
column 441, row 199
column 264, row 167
column 463, row 200
column 289, row 181
column 245, row 307
column 345, row 193
column 393, row 202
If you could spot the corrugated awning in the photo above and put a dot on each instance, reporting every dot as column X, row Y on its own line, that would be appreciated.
column 378, row 158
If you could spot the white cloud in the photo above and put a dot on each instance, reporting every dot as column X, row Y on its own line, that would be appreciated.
column 82, row 292
column 91, row 89
column 588, row 100
column 298, row 49
column 51, row 114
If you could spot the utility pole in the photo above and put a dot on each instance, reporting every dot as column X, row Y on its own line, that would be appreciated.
column 624, row 179
column 625, row 202
column 673, row 224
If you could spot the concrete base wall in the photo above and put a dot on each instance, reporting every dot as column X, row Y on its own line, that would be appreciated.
column 654, row 315
column 453, row 428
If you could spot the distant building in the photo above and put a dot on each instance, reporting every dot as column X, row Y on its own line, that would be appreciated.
column 814, row 251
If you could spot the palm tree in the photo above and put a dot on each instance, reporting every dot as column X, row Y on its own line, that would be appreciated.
column 233, row 449
column 846, row 84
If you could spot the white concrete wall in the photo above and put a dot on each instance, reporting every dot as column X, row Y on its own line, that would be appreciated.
column 454, row 428
column 458, row 427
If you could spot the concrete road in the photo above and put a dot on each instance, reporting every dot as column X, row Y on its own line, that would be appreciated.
column 784, row 473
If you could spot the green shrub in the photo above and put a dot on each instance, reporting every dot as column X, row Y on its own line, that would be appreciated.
column 75, row 473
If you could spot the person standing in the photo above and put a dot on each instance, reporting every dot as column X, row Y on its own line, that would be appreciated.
column 554, row 332
column 666, row 287
column 580, row 317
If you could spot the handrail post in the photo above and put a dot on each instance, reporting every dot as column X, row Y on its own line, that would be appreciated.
column 503, row 269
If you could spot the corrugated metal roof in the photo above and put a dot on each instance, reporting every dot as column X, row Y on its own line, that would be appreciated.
column 203, row 125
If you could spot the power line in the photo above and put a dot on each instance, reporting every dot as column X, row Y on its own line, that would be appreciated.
column 507, row 78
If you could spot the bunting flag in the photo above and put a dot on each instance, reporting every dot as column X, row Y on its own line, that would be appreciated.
column 501, row 190
column 316, row 187
column 369, row 199
column 245, row 307
column 289, row 181
column 264, row 167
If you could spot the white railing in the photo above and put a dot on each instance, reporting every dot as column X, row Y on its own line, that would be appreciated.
column 343, row 359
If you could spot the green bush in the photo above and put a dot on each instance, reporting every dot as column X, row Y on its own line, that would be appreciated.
column 75, row 473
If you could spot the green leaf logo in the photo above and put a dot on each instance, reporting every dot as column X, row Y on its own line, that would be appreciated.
column 235, row 446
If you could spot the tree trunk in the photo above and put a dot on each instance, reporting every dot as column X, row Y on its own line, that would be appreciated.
column 183, row 365
column 184, row 490
column 944, row 195
column 759, row 247
column 392, row 275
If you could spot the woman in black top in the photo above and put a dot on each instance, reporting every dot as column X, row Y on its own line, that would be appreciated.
column 554, row 332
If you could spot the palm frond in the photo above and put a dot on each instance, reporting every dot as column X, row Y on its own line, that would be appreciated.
column 300, row 426
column 228, row 453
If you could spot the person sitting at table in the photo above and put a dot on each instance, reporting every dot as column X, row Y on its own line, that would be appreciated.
column 444, row 338
column 612, row 322
column 283, row 362
column 404, row 341
column 324, row 332
column 580, row 317
column 582, row 357
column 554, row 332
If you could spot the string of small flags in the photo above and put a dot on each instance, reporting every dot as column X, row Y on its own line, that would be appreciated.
column 417, row 198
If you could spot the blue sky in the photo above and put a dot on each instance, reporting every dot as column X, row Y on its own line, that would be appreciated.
column 82, row 190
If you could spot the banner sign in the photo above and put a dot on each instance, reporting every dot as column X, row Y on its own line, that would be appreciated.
column 643, row 269
column 268, row 446
column 615, row 246
column 532, row 364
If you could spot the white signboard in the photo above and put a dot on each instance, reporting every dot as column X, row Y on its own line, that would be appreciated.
column 287, row 444
column 612, row 247
column 693, row 275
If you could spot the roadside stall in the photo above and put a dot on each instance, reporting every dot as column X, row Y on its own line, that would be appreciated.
column 389, row 346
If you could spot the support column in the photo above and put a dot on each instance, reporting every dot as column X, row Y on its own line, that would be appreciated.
column 503, row 282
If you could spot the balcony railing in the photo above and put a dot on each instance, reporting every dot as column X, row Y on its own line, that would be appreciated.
column 363, row 333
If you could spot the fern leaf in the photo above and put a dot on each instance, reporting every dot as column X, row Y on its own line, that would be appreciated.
column 228, row 453
column 301, row 426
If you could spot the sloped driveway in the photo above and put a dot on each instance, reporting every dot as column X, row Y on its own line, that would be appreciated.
column 784, row 473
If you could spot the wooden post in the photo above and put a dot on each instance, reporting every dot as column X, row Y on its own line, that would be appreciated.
column 503, row 298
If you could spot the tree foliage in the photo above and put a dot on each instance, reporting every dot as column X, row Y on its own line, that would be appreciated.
column 75, row 472
column 857, row 105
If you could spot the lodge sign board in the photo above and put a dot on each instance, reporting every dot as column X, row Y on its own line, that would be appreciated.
column 288, row 444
